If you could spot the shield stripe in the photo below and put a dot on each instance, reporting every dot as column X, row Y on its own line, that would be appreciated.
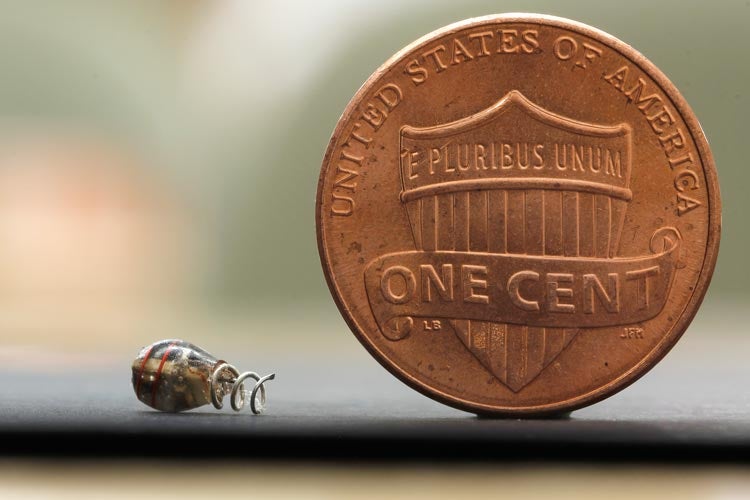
column 415, row 221
column 517, row 355
column 570, row 224
column 601, row 225
column 497, row 228
column 586, row 219
column 445, row 227
column 536, row 343
column 461, row 237
column 618, row 218
column 429, row 223
column 553, row 223
column 533, row 222
column 515, row 222
column 478, row 221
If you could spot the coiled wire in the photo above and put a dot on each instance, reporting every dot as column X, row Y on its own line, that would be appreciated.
column 227, row 379
column 257, row 395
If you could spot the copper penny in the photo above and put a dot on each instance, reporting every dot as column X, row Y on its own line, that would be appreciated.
column 518, row 215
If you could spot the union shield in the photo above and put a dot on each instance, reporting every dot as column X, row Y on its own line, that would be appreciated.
column 516, row 179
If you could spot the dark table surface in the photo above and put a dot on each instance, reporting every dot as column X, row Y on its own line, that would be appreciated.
column 338, row 403
column 675, row 413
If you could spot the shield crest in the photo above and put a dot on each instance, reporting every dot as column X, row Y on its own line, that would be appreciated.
column 516, row 179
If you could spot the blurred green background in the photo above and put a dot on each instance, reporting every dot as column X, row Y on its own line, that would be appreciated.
column 159, row 160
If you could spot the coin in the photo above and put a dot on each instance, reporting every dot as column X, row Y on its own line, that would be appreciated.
column 518, row 215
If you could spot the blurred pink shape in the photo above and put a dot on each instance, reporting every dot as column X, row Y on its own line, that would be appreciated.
column 84, row 223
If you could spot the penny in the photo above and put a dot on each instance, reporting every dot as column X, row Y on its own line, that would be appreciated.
column 518, row 215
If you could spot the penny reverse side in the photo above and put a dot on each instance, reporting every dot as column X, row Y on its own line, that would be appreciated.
column 518, row 215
